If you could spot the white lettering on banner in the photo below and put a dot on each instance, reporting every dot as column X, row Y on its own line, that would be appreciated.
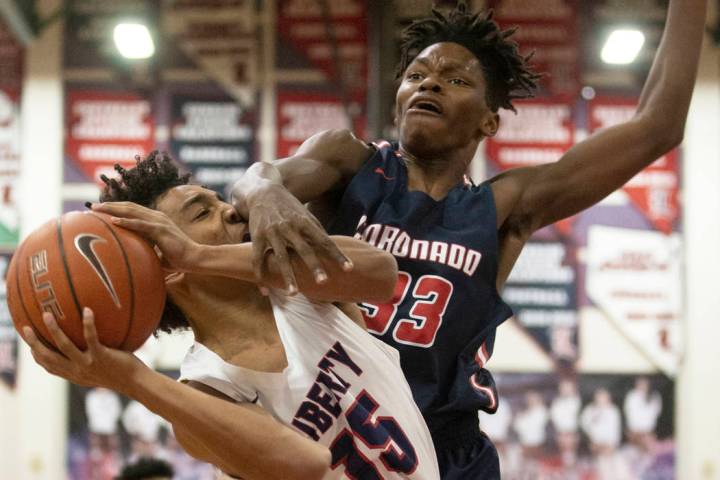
column 305, row 119
column 545, row 297
column 542, row 263
column 111, row 119
column 109, row 152
column 528, row 156
column 400, row 244
column 536, row 124
column 212, row 154
column 217, row 176
column 212, row 121
column 318, row 31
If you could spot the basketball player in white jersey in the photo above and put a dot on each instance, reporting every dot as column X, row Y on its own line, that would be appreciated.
column 290, row 387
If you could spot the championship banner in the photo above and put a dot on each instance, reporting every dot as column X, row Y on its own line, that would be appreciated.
column 635, row 277
column 301, row 115
column 541, row 290
column 552, row 32
column 9, row 167
column 335, row 41
column 8, row 335
column 541, row 132
column 220, row 36
column 654, row 191
column 104, row 128
column 214, row 138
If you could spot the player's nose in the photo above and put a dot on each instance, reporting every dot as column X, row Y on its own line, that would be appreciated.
column 230, row 215
column 430, row 83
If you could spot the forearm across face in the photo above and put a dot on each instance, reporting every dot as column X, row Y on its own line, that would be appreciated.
column 372, row 278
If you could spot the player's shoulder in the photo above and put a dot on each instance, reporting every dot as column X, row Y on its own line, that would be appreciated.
column 338, row 147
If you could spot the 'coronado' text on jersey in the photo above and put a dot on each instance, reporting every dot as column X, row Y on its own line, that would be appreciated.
column 397, row 242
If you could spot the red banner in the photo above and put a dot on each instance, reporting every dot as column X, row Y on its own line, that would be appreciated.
column 331, row 41
column 541, row 132
column 105, row 128
column 551, row 32
column 654, row 191
column 301, row 115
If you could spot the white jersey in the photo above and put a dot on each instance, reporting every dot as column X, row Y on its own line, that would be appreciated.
column 342, row 387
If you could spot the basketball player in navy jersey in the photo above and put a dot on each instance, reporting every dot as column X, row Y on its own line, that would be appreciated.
column 283, row 387
column 455, row 242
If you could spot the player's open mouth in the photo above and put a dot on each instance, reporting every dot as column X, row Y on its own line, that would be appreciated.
column 426, row 106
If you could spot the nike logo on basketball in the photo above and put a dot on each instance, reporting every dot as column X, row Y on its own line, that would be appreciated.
column 381, row 172
column 84, row 244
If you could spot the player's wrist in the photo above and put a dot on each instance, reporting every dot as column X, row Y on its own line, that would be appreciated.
column 258, row 180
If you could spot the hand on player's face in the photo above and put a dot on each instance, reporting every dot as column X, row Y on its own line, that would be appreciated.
column 279, row 223
column 176, row 246
column 98, row 366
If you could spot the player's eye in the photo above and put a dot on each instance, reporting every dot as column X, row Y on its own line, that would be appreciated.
column 201, row 214
column 414, row 76
column 458, row 81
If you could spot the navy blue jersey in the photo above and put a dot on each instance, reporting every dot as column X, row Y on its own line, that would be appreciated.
column 446, row 307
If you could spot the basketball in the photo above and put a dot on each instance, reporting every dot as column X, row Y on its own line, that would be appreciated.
column 83, row 260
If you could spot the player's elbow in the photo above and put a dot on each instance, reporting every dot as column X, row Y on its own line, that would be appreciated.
column 314, row 468
column 664, row 132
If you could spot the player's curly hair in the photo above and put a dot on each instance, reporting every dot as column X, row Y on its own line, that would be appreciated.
column 146, row 468
column 507, row 73
column 144, row 184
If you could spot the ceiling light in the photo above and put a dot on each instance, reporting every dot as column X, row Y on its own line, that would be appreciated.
column 622, row 47
column 133, row 40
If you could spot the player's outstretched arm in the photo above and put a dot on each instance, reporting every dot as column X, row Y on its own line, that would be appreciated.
column 591, row 170
column 271, row 197
column 240, row 440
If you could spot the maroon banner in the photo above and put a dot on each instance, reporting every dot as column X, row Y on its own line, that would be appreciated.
column 335, row 42
column 541, row 132
column 301, row 115
column 654, row 191
column 552, row 33
column 105, row 128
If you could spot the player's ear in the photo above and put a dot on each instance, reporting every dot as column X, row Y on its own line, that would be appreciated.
column 489, row 124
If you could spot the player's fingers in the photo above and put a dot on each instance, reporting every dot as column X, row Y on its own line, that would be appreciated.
column 320, row 238
column 259, row 246
column 127, row 210
column 61, row 341
column 307, row 255
column 282, row 258
column 143, row 227
column 91, row 336
column 42, row 354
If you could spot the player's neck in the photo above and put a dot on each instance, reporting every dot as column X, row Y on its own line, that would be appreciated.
column 228, row 315
column 434, row 174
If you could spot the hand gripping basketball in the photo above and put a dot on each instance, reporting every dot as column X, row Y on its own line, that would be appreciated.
column 97, row 366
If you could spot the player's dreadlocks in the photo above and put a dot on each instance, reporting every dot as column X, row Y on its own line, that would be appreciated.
column 144, row 184
column 507, row 73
